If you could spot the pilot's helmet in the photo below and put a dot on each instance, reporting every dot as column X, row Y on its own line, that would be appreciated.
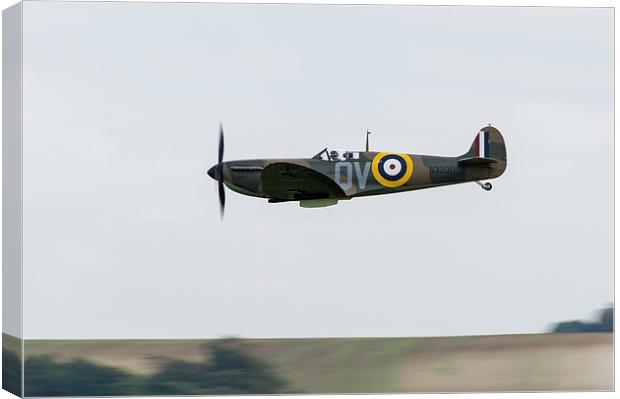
column 334, row 154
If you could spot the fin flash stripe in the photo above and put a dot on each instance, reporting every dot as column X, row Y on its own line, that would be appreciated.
column 482, row 145
column 391, row 169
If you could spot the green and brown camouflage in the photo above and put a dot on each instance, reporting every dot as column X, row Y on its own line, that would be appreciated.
column 331, row 176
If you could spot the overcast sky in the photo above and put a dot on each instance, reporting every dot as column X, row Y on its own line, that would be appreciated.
column 122, row 235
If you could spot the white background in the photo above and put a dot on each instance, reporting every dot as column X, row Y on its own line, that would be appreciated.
column 122, row 237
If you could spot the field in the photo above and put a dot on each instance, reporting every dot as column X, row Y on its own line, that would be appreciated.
column 529, row 362
column 11, row 364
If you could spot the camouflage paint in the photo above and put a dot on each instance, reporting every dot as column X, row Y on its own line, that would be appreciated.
column 373, row 173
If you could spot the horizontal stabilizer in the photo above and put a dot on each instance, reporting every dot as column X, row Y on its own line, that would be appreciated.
column 477, row 161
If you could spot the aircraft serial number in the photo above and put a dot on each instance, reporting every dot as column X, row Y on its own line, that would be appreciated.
column 442, row 169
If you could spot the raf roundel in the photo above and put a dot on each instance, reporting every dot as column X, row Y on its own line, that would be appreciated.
column 392, row 170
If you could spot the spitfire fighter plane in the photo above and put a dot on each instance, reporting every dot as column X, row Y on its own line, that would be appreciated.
column 331, row 176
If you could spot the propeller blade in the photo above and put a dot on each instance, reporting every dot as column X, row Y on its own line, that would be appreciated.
column 222, row 195
column 220, row 152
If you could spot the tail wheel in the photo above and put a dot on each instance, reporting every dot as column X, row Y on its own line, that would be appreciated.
column 487, row 186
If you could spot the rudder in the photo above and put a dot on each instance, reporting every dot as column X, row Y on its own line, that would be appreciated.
column 488, row 149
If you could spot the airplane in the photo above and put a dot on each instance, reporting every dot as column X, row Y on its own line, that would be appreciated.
column 332, row 176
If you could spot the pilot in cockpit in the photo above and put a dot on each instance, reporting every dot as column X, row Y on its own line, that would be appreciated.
column 334, row 155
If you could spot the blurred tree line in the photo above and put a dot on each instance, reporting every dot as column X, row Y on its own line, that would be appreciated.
column 605, row 323
column 227, row 369
column 11, row 372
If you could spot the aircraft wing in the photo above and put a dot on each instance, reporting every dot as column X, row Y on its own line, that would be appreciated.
column 290, row 181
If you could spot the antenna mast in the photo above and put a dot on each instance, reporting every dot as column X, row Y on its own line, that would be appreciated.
column 367, row 134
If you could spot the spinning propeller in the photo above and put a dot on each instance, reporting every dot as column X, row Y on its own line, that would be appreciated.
column 217, row 172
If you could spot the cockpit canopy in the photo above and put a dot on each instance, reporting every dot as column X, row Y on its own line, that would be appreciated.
column 337, row 155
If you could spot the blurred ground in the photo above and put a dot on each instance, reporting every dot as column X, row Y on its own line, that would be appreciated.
column 529, row 362
column 12, row 364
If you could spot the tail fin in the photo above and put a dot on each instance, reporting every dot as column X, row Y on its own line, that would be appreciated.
column 487, row 149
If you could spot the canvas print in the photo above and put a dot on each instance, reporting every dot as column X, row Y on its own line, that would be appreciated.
column 234, row 199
